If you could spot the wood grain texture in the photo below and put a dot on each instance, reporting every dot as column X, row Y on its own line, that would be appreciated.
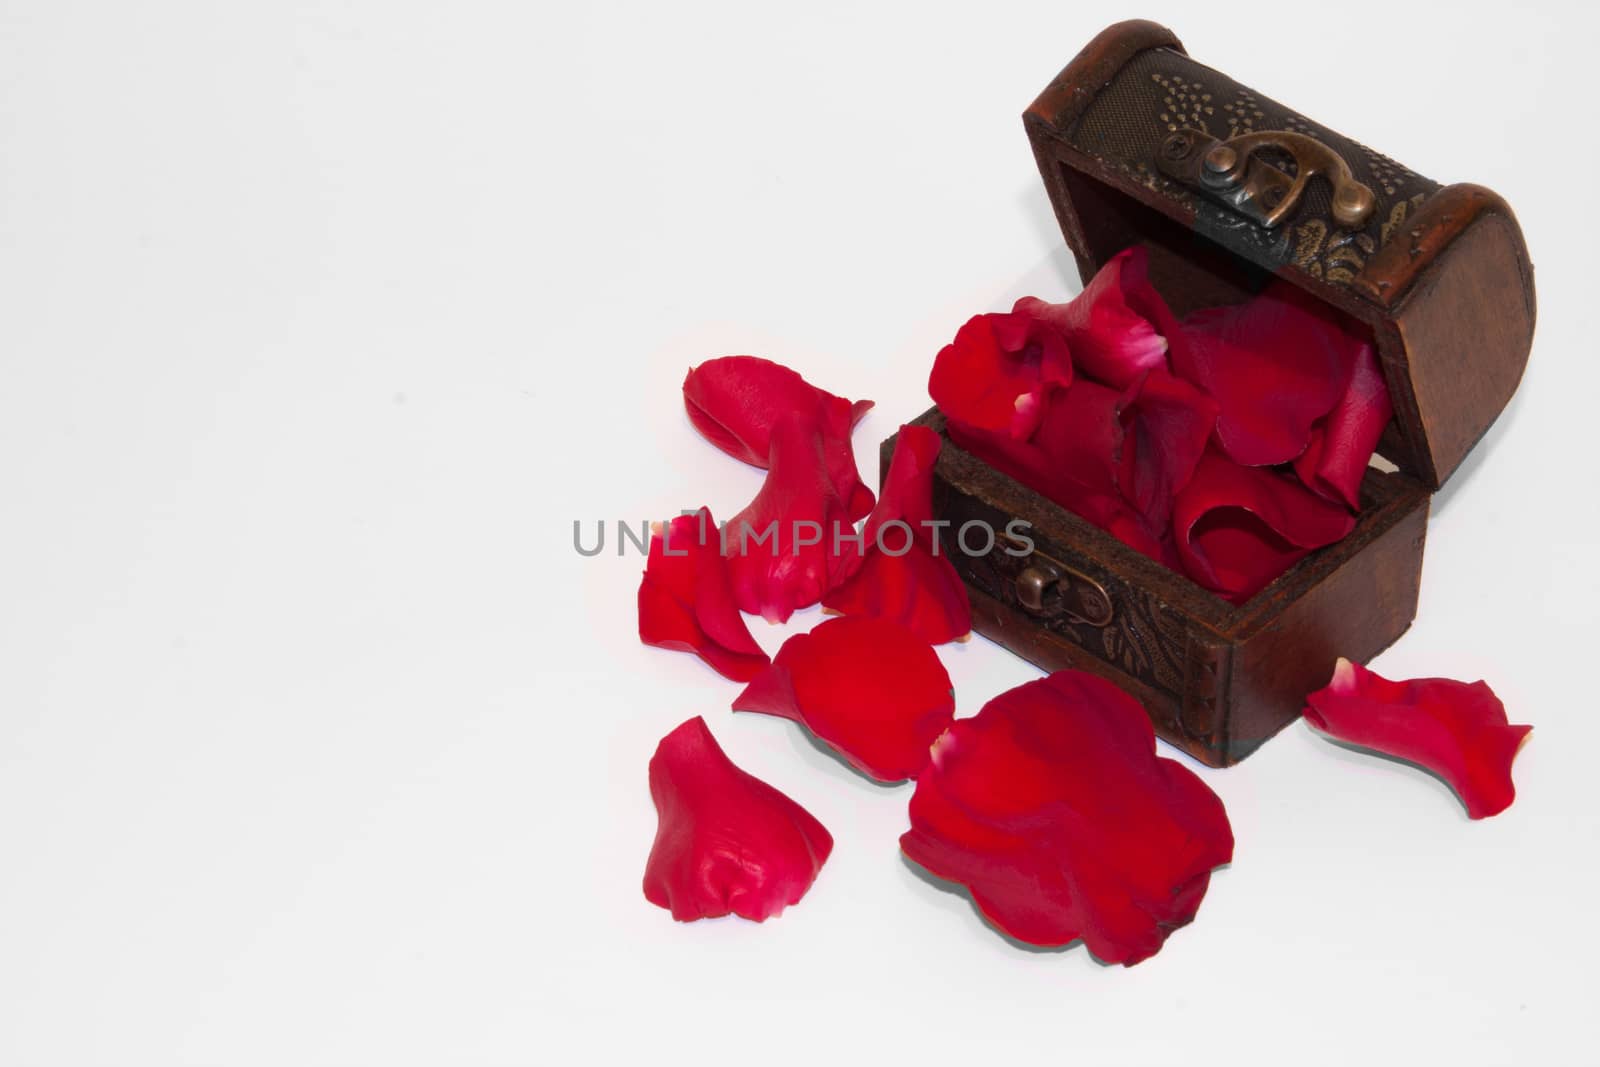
column 1064, row 99
column 1467, row 328
column 1443, row 217
column 1359, row 607
column 1447, row 255
column 1443, row 281
column 1216, row 679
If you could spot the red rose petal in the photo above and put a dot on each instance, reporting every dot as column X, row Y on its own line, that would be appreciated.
column 1139, row 445
column 1275, row 365
column 869, row 688
column 997, row 371
column 1023, row 460
column 1167, row 423
column 725, row 840
column 916, row 589
column 1052, row 807
column 774, row 569
column 901, row 578
column 1033, row 466
column 686, row 600
column 1082, row 437
column 1341, row 447
column 1237, row 528
column 907, row 492
column 1116, row 328
column 736, row 401
column 1455, row 729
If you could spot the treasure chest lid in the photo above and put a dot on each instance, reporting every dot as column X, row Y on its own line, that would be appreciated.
column 1139, row 144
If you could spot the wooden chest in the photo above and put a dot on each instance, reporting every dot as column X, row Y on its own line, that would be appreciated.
column 1128, row 139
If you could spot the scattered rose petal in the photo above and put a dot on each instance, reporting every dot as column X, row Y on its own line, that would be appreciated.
column 868, row 688
column 997, row 371
column 907, row 491
column 1275, row 365
column 686, row 601
column 795, row 540
column 920, row 591
column 1237, row 528
column 736, row 401
column 1116, row 327
column 1052, row 807
column 725, row 840
column 1341, row 447
column 1458, row 730
column 903, row 576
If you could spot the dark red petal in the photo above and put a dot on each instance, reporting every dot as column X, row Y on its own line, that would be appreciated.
column 1127, row 526
column 920, row 591
column 1023, row 460
column 1275, row 365
column 664, row 623
column 1116, row 328
column 1455, row 729
column 1341, row 447
column 1081, row 435
column 686, row 602
column 774, row 572
column 736, row 401
column 869, row 688
column 839, row 420
column 901, row 578
column 1167, row 423
column 907, row 492
column 996, row 372
column 725, row 840
column 1031, row 465
column 1052, row 807
column 1237, row 528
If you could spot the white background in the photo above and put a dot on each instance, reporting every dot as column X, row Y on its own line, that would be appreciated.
column 321, row 323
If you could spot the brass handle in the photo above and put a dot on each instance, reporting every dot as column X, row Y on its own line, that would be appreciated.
column 1229, row 171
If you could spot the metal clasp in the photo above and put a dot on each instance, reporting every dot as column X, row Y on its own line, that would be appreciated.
column 1046, row 586
column 1229, row 172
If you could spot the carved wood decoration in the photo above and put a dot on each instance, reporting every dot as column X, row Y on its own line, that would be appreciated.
column 1439, row 274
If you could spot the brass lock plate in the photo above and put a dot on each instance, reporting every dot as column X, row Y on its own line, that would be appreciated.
column 1232, row 173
